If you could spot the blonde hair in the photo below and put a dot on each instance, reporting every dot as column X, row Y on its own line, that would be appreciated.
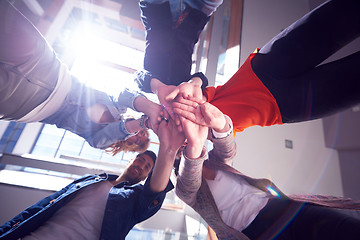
column 125, row 146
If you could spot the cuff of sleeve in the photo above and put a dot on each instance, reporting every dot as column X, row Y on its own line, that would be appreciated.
column 126, row 99
column 124, row 130
column 203, row 78
column 143, row 79
column 202, row 157
column 155, row 199
column 225, row 134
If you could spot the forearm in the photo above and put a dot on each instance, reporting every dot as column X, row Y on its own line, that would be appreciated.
column 128, row 99
column 224, row 149
column 190, row 177
column 162, row 169
column 155, row 84
column 133, row 126
column 144, row 105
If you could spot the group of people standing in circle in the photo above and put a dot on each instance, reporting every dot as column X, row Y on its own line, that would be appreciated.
column 281, row 82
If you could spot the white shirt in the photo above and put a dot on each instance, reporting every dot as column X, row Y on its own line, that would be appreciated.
column 81, row 218
column 238, row 202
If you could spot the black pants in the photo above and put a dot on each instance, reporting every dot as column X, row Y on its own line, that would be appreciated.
column 289, row 67
column 287, row 219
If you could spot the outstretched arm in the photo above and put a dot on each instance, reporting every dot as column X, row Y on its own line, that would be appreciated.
column 190, row 173
column 170, row 141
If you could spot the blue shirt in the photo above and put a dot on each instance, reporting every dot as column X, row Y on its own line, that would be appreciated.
column 73, row 115
column 126, row 206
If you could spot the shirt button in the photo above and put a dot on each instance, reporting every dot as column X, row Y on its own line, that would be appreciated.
column 156, row 202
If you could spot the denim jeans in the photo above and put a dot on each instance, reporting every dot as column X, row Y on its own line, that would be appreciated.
column 289, row 64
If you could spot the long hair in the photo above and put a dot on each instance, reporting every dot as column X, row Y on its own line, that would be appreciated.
column 125, row 146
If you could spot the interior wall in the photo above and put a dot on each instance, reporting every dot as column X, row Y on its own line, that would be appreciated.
column 262, row 20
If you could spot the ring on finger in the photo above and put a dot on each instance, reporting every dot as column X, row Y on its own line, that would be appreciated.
column 164, row 119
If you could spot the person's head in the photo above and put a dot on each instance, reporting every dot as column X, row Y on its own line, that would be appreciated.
column 140, row 168
column 137, row 143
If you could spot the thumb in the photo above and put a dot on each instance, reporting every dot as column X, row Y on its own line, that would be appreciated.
column 171, row 96
column 206, row 113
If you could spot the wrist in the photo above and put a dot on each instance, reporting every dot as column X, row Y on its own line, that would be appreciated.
column 144, row 105
column 201, row 156
column 132, row 125
column 222, row 127
column 193, row 151
column 169, row 150
column 155, row 84
column 139, row 103
column 196, row 81
column 204, row 80
column 224, row 132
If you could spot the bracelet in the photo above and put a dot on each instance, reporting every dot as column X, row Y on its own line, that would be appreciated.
column 144, row 122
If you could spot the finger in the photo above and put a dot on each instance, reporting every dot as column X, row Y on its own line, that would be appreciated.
column 169, row 111
column 184, row 107
column 195, row 99
column 171, row 96
column 177, row 120
column 156, row 129
column 165, row 114
column 186, row 114
column 187, row 102
column 180, row 128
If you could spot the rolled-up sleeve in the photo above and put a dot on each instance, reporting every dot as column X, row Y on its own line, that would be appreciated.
column 189, row 179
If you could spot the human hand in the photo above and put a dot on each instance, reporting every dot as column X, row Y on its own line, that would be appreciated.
column 200, row 112
column 196, row 136
column 162, row 92
column 156, row 114
column 192, row 88
column 169, row 136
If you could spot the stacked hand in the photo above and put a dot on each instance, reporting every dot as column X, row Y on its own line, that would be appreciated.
column 199, row 112
column 186, row 106
column 169, row 94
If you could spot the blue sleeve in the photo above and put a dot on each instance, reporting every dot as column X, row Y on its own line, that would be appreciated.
column 109, row 134
column 150, row 202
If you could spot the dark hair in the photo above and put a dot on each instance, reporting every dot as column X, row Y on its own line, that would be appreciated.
column 150, row 154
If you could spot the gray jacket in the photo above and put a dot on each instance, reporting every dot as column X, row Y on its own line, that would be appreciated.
column 192, row 188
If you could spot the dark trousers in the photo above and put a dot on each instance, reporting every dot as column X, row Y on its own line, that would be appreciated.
column 288, row 65
column 287, row 219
